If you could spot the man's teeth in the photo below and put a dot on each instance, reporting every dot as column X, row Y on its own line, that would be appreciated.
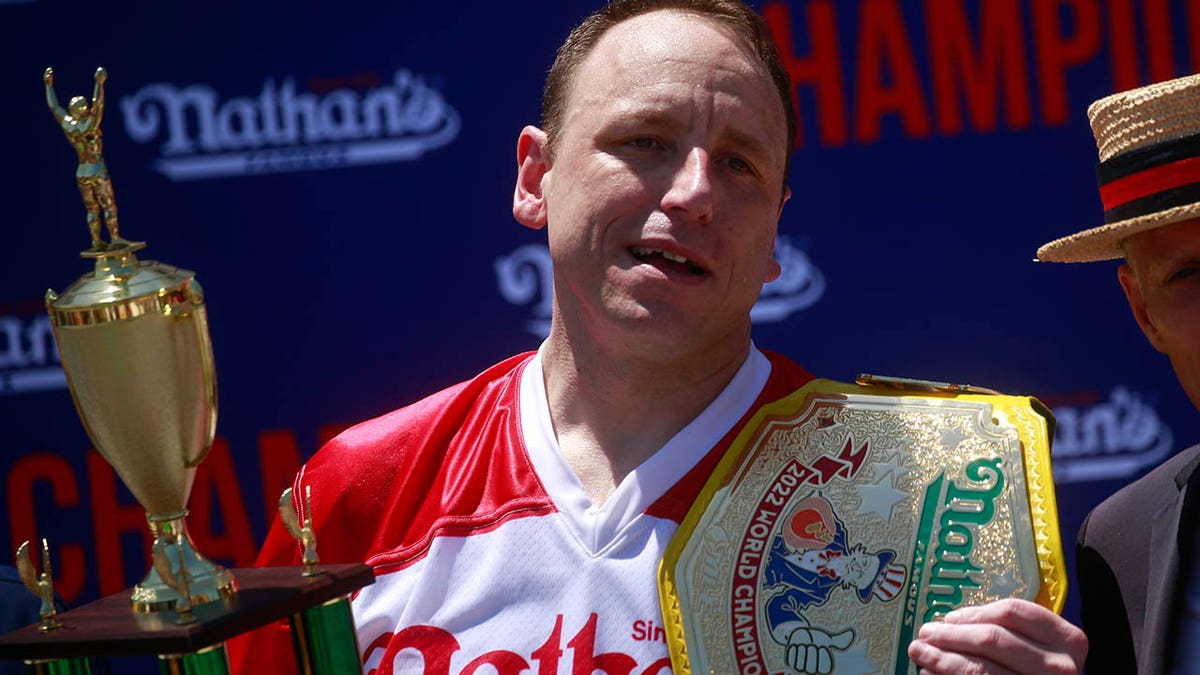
column 642, row 252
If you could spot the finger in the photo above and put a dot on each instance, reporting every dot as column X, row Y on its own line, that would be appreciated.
column 1031, row 621
column 795, row 657
column 996, row 644
column 932, row 660
column 1020, row 616
column 812, row 659
column 824, row 661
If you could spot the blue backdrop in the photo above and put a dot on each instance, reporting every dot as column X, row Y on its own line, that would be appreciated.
column 340, row 177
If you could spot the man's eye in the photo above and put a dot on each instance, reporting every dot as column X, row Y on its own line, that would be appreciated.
column 739, row 165
column 1183, row 273
column 644, row 143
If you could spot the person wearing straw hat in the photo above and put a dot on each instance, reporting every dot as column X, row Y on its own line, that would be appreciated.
column 1139, row 577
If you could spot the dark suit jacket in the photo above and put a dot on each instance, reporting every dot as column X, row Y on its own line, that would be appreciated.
column 18, row 608
column 1129, row 555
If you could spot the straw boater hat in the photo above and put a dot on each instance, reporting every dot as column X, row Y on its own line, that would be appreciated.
column 1149, row 171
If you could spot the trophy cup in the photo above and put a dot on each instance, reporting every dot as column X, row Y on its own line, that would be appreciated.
column 133, row 339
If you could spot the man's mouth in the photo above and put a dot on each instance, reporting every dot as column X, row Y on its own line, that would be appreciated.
column 665, row 260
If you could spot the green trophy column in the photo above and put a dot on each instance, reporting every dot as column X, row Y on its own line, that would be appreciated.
column 59, row 667
column 208, row 661
column 324, row 639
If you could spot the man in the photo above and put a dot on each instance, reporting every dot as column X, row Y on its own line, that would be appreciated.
column 516, row 521
column 1136, row 551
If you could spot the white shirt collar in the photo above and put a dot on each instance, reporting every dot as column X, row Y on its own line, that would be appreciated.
column 597, row 527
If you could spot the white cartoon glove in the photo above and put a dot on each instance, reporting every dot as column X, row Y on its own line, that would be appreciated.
column 810, row 650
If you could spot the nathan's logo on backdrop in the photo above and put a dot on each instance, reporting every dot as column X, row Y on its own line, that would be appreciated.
column 1098, row 439
column 283, row 129
column 525, row 278
column 28, row 354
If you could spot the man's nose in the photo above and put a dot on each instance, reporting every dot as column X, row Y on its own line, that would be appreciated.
column 690, row 191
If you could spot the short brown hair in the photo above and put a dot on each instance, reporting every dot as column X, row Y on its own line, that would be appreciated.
column 745, row 23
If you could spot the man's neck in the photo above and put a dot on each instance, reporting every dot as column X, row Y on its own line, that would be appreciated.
column 612, row 413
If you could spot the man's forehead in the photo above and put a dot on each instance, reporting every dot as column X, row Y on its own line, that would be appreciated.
column 1167, row 237
column 1163, row 245
column 666, row 33
column 615, row 71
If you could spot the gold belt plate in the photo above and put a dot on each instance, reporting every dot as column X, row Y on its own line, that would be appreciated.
column 845, row 516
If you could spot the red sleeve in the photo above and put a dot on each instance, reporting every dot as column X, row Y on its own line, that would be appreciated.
column 368, row 488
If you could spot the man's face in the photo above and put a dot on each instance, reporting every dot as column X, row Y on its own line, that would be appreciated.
column 665, row 187
column 1162, row 283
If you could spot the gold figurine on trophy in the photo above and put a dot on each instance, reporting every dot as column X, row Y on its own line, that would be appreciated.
column 41, row 585
column 81, row 125
column 301, row 531
column 180, row 581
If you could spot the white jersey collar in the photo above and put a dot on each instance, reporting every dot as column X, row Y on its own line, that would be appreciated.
column 597, row 527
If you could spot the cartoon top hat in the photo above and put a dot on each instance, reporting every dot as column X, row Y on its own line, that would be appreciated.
column 888, row 580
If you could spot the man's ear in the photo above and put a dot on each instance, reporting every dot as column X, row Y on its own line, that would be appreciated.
column 1133, row 293
column 533, row 164
column 773, row 268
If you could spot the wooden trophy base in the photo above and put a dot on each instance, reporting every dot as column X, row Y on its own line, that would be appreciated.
column 110, row 627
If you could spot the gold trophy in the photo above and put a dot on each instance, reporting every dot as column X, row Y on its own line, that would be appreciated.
column 133, row 337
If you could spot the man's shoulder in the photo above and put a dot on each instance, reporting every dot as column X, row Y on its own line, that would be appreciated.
column 381, row 475
column 1146, row 494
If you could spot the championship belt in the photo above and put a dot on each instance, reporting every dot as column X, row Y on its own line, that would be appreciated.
column 845, row 516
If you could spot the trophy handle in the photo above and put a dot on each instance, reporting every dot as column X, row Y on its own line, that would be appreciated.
column 196, row 297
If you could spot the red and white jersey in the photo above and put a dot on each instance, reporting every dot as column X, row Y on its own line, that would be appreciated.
column 489, row 555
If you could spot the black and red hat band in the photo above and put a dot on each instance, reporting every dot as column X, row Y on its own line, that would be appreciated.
column 1150, row 179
